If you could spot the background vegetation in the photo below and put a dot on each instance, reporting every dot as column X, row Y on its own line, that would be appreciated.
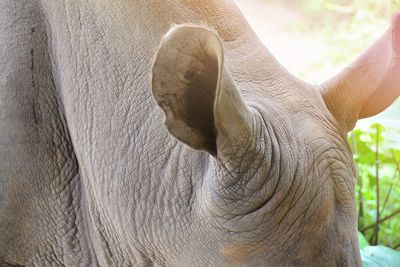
column 349, row 24
column 377, row 155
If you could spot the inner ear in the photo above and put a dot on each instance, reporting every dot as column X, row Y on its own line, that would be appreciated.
column 186, row 77
column 199, row 100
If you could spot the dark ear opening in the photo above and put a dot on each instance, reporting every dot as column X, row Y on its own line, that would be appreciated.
column 199, row 100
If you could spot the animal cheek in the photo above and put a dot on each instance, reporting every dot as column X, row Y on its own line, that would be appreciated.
column 325, row 211
column 239, row 253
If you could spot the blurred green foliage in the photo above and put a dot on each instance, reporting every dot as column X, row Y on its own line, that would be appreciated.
column 376, row 151
column 352, row 10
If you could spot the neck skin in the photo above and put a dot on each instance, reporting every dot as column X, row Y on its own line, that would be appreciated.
column 101, row 53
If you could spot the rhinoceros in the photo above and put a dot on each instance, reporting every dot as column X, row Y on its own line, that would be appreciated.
column 164, row 133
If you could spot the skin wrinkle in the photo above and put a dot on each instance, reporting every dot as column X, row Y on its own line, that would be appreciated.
column 278, row 205
column 333, row 171
column 273, row 153
column 270, row 163
column 148, row 199
column 300, row 218
column 291, row 201
column 60, row 178
column 235, row 199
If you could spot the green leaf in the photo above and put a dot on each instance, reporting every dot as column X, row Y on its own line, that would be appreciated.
column 362, row 241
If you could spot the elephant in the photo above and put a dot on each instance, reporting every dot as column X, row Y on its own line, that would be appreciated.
column 164, row 133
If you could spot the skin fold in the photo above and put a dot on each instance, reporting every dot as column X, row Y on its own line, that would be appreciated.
column 129, row 141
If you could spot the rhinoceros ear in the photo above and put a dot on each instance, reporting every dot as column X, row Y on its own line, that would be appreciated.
column 370, row 84
column 195, row 91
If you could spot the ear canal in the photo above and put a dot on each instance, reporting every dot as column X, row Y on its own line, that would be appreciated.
column 189, row 80
column 370, row 84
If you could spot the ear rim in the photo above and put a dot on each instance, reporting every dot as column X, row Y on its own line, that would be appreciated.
column 229, row 111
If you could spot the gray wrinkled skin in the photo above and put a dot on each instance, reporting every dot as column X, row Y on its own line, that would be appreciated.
column 91, row 176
